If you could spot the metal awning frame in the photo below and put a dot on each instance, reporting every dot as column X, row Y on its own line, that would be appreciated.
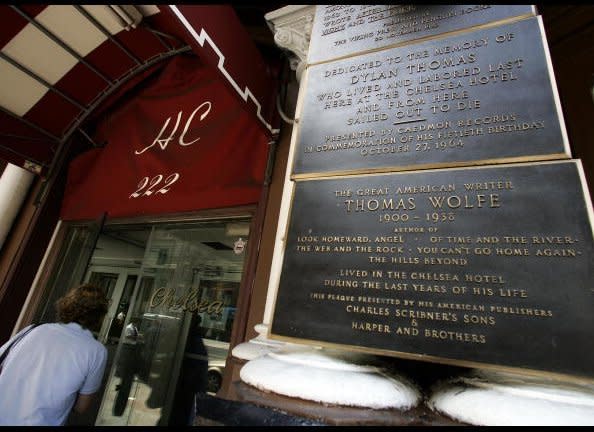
column 85, row 111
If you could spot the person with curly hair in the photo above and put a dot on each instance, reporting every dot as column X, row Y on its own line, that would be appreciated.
column 56, row 367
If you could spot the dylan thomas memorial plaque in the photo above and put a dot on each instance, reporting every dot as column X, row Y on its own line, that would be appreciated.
column 480, row 97
column 476, row 265
column 341, row 30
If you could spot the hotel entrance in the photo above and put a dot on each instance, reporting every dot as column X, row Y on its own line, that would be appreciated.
column 173, row 290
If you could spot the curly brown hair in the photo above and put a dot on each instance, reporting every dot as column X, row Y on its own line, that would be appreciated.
column 85, row 304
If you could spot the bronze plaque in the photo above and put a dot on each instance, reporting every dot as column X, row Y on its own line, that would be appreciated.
column 483, row 97
column 484, row 265
column 342, row 30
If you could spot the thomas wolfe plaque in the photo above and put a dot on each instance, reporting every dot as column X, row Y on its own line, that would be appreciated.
column 341, row 30
column 481, row 97
column 489, row 265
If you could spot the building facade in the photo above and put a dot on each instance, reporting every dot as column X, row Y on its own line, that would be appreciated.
column 161, row 178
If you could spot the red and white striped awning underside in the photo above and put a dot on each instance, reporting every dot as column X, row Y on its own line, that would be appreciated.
column 60, row 65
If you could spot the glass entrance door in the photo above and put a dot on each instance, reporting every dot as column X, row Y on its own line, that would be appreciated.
column 173, row 291
column 174, row 288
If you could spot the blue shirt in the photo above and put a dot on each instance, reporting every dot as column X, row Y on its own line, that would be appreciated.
column 44, row 372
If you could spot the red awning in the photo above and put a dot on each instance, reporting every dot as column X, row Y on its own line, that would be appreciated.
column 59, row 64
column 183, row 143
column 218, row 38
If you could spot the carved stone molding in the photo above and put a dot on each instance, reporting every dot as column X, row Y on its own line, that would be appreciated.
column 292, row 27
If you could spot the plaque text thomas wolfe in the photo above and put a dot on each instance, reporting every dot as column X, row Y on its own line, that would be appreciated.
column 489, row 265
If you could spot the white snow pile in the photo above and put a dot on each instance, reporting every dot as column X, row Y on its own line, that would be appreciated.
column 329, row 377
column 252, row 349
column 497, row 399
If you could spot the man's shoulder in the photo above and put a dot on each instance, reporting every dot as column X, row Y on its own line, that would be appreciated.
column 83, row 336
column 95, row 349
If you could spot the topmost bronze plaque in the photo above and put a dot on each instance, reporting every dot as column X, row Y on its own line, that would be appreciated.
column 343, row 30
column 482, row 97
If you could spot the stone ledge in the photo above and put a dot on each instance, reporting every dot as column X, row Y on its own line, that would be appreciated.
column 214, row 411
column 299, row 409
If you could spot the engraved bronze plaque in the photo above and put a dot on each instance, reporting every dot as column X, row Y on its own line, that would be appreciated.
column 484, row 265
column 342, row 30
column 483, row 97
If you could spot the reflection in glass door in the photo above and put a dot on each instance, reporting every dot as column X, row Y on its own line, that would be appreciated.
column 175, row 283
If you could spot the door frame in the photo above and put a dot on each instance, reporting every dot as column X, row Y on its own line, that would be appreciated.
column 118, row 290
